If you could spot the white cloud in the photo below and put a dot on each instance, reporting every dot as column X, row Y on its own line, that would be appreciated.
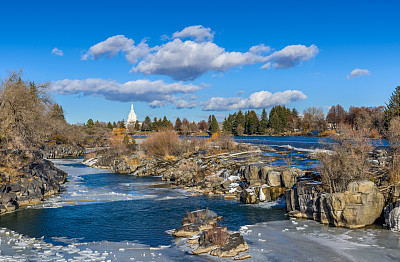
column 196, row 32
column 156, row 93
column 57, row 52
column 110, row 47
column 257, row 100
column 359, row 72
column 291, row 56
column 189, row 59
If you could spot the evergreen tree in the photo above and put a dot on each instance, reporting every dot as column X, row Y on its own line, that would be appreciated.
column 246, row 122
column 114, row 125
column 178, row 125
column 90, row 123
column 57, row 112
column 137, row 125
column 239, row 121
column 214, row 128
column 263, row 125
column 122, row 124
column 155, row 125
column 393, row 107
column 147, row 124
column 278, row 118
column 252, row 122
column 227, row 124
column 165, row 123
column 109, row 125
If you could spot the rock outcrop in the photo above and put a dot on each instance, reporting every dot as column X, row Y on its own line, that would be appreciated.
column 267, row 183
column 36, row 181
column 205, row 236
column 118, row 164
column 61, row 151
column 360, row 205
column 392, row 216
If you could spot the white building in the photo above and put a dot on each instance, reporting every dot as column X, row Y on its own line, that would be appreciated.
column 131, row 117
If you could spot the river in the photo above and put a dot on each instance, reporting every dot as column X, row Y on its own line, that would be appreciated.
column 100, row 216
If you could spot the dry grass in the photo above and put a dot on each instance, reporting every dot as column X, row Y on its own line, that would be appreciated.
column 394, row 142
column 163, row 144
column 347, row 160
column 191, row 216
column 217, row 235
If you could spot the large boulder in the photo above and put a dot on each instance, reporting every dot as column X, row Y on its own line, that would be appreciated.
column 360, row 205
column 392, row 216
column 251, row 174
column 274, row 178
column 289, row 176
column 234, row 245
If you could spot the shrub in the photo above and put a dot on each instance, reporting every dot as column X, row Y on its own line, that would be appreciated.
column 217, row 235
column 347, row 160
column 165, row 143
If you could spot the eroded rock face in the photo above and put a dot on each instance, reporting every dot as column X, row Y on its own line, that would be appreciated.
column 274, row 178
column 38, row 180
column 61, row 151
column 254, row 195
column 392, row 216
column 360, row 205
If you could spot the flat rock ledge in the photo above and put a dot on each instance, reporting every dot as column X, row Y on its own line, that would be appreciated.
column 205, row 236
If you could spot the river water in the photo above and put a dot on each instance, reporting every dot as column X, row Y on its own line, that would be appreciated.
column 102, row 216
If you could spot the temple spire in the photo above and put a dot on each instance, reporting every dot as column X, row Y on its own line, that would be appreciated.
column 132, row 116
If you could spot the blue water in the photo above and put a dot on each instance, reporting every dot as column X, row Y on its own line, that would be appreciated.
column 299, row 142
column 97, row 205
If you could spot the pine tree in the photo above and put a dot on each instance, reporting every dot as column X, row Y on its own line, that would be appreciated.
column 137, row 125
column 146, row 126
column 393, row 107
column 263, row 125
column 227, row 124
column 90, row 123
column 239, row 121
column 178, row 124
column 214, row 128
column 252, row 122
column 109, row 125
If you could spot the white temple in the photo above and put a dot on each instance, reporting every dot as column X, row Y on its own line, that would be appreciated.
column 131, row 117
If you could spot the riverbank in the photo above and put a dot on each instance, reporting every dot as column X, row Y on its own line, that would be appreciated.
column 26, row 179
column 110, row 217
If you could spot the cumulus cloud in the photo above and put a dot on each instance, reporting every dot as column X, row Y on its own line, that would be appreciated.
column 359, row 72
column 57, row 52
column 196, row 32
column 188, row 59
column 257, row 100
column 291, row 56
column 156, row 93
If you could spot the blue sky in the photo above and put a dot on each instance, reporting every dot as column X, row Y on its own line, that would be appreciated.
column 318, row 53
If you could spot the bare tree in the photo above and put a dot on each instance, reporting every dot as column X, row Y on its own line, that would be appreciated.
column 314, row 119
column 22, row 112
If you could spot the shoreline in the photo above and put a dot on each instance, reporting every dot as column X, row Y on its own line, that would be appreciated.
column 283, row 240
